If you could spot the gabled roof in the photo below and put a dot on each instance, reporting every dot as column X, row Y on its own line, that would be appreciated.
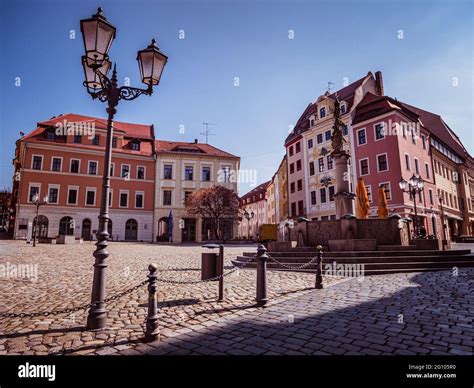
column 260, row 189
column 345, row 94
column 139, row 131
column 163, row 146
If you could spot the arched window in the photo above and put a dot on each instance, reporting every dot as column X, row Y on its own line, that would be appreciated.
column 66, row 226
column 131, row 228
column 40, row 224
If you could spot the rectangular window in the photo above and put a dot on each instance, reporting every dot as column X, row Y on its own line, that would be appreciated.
column 310, row 143
column 114, row 142
column 319, row 138
column 413, row 135
column 382, row 162
column 327, row 135
column 298, row 165
column 427, row 170
column 75, row 166
column 293, row 208
column 37, row 162
column 298, row 147
column 56, row 164
column 342, row 109
column 322, row 112
column 430, row 194
column 135, row 145
column 300, row 184
column 187, row 194
column 417, row 166
column 34, row 190
column 96, row 140
column 407, row 162
column 368, row 188
column 225, row 172
column 72, row 196
column 379, row 131
column 291, row 151
column 188, row 173
column 166, row 197
column 311, row 168
column 111, row 195
column 112, row 169
column 168, row 171
column 139, row 200
column 364, row 166
column 77, row 139
column 292, row 187
column 361, row 138
column 423, row 141
column 206, row 174
column 330, row 162
column 313, row 197
column 300, row 207
column 90, row 197
column 53, row 195
column 322, row 194
column 321, row 164
column 123, row 200
column 388, row 192
column 92, row 167
column 331, row 193
column 125, row 173
column 292, row 168
column 345, row 130
column 140, row 172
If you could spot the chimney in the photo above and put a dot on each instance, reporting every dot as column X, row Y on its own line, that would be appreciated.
column 379, row 83
column 195, row 141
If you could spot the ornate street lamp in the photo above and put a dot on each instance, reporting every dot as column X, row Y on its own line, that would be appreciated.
column 98, row 35
column 248, row 216
column 414, row 186
column 36, row 201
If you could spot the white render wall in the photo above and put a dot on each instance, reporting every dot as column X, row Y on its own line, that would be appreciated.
column 118, row 217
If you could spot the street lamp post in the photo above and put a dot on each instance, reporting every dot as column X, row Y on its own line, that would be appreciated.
column 98, row 35
column 443, row 225
column 248, row 216
column 414, row 186
column 36, row 201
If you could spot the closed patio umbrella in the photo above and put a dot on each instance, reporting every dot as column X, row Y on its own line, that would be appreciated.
column 383, row 210
column 362, row 199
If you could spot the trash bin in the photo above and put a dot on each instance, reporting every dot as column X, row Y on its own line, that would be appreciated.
column 208, row 265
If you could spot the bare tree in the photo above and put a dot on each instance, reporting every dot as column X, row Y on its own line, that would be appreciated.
column 216, row 203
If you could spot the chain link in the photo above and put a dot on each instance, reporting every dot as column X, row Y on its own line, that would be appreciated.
column 313, row 260
column 73, row 309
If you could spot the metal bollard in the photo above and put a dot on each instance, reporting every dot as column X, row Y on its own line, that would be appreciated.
column 220, row 272
column 319, row 274
column 262, row 258
column 152, row 332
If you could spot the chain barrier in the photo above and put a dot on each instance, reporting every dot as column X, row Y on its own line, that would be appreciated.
column 73, row 309
column 210, row 279
column 312, row 261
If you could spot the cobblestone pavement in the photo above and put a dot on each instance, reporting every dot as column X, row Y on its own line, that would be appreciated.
column 401, row 314
column 65, row 277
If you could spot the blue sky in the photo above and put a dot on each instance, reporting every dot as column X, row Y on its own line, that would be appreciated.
column 278, row 76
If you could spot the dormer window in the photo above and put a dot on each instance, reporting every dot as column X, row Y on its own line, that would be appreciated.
column 343, row 108
column 135, row 145
column 322, row 112
column 311, row 121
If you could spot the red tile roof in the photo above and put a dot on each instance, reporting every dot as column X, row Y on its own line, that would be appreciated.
column 163, row 146
column 260, row 189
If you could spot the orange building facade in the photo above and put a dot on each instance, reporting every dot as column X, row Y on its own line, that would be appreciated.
column 63, row 159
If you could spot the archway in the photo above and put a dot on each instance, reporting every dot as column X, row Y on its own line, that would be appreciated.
column 87, row 229
column 162, row 234
column 66, row 226
column 131, row 228
column 41, row 226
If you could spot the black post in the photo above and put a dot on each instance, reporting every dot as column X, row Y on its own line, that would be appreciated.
column 220, row 272
column 319, row 274
column 152, row 332
column 416, row 214
column 35, row 221
column 262, row 258
column 98, row 314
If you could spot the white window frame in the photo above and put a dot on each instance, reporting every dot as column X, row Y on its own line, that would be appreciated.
column 319, row 112
column 431, row 196
column 111, row 193
column 210, row 172
column 30, row 185
column 120, row 197
column 377, row 159
column 89, row 166
column 163, row 197
column 129, row 171
column 184, row 172
column 69, row 188
column 54, row 186
column 343, row 105
column 142, row 193
column 427, row 170
column 409, row 162
column 93, row 189
column 357, row 137
column 389, row 189
column 384, row 131
column 112, row 172
column 60, row 167
column 32, row 160
column 416, row 164
column 144, row 172
column 329, row 195
column 360, row 167
column 70, row 166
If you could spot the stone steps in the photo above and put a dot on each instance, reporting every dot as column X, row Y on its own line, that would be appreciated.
column 342, row 254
